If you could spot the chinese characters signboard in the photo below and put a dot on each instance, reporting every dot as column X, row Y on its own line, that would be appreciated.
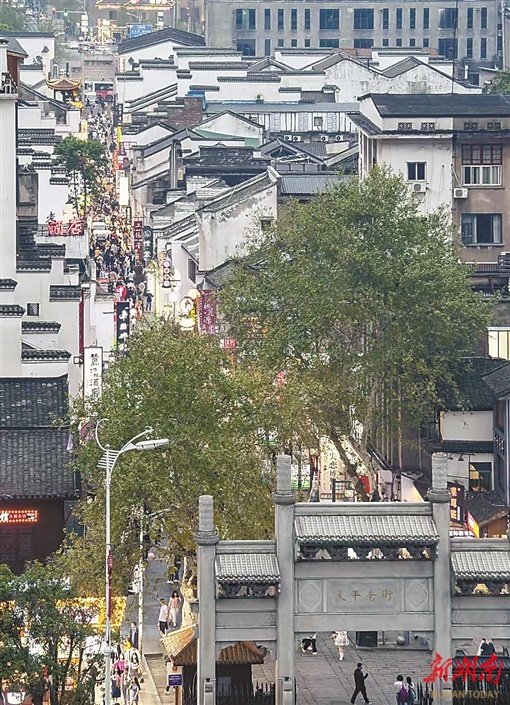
column 19, row 516
column 92, row 373
column 207, row 312
column 74, row 227
column 457, row 503
column 138, row 237
column 468, row 669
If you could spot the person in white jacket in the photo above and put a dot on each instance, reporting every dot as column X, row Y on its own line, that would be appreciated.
column 341, row 641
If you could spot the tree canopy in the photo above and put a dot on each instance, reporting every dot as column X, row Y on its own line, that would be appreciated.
column 188, row 389
column 501, row 83
column 85, row 161
column 44, row 628
column 362, row 299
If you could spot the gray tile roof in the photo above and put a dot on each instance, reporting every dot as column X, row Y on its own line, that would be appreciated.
column 29, row 402
column 441, row 105
column 40, row 326
column 307, row 184
column 45, row 355
column 8, row 284
column 247, row 568
column 345, row 530
column 481, row 565
column 65, row 292
column 163, row 35
column 475, row 391
column 36, row 464
column 11, row 310
column 498, row 380
column 485, row 507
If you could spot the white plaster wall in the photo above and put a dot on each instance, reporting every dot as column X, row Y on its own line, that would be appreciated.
column 150, row 80
column 423, row 79
column 466, row 426
column 436, row 152
column 298, row 61
column 34, row 46
column 163, row 50
column 29, row 118
column 223, row 232
column 8, row 185
column 230, row 124
column 52, row 198
column 31, row 77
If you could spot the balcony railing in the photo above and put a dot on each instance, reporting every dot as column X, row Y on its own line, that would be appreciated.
column 7, row 85
column 501, row 268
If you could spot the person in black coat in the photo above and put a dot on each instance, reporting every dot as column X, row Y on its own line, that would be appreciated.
column 359, row 682
column 133, row 635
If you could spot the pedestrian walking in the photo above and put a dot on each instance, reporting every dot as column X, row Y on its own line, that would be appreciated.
column 148, row 300
column 174, row 606
column 163, row 617
column 133, row 635
column 116, row 691
column 401, row 691
column 359, row 683
column 341, row 641
column 309, row 643
column 411, row 689
column 133, row 692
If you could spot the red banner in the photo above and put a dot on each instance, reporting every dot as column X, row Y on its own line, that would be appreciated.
column 207, row 312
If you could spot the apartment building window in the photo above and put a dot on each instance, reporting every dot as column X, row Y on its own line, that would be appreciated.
column 307, row 43
column 499, row 342
column 426, row 43
column 329, row 19
column 246, row 47
column 293, row 19
column 448, row 47
column 329, row 43
column 245, row 19
column 112, row 15
column 448, row 18
column 293, row 43
column 469, row 47
column 412, row 42
column 363, row 19
column 483, row 48
column 416, row 171
column 469, row 23
column 412, row 18
column 482, row 164
column 399, row 17
column 483, row 18
column 481, row 228
column 499, row 45
column 385, row 42
column 385, row 18
column 267, row 47
column 267, row 19
column 363, row 43
column 280, row 43
column 307, row 20
column 426, row 18
column 32, row 309
column 398, row 42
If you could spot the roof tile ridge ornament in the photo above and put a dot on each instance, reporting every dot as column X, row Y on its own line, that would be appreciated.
column 207, row 534
column 284, row 493
column 439, row 491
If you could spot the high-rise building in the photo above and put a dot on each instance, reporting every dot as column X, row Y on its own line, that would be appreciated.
column 470, row 31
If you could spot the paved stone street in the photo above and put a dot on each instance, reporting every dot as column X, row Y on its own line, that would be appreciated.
column 324, row 680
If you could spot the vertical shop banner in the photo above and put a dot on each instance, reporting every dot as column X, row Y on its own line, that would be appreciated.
column 457, row 504
column 92, row 373
column 138, row 237
column 207, row 312
column 122, row 324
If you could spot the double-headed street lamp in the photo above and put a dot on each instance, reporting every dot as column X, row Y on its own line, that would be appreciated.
column 107, row 463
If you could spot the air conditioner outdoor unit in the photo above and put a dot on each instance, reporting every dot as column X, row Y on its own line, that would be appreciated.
column 297, row 138
column 460, row 193
column 287, row 138
column 324, row 138
column 419, row 187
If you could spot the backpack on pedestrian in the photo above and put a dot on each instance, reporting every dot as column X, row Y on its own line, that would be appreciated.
column 403, row 695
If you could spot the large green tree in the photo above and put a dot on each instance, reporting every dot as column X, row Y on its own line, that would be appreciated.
column 215, row 414
column 501, row 83
column 12, row 19
column 361, row 300
column 45, row 629
column 86, row 162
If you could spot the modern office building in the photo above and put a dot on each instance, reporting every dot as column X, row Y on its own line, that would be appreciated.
column 470, row 30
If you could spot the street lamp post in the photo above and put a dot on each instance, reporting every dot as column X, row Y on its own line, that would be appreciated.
column 107, row 463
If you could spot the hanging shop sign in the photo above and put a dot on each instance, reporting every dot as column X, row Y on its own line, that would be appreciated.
column 122, row 325
column 138, row 237
column 167, row 274
column 207, row 312
column 92, row 372
column 457, row 503
column 148, row 243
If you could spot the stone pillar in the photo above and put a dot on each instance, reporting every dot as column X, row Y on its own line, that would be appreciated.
column 284, row 500
column 206, row 538
column 439, row 495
